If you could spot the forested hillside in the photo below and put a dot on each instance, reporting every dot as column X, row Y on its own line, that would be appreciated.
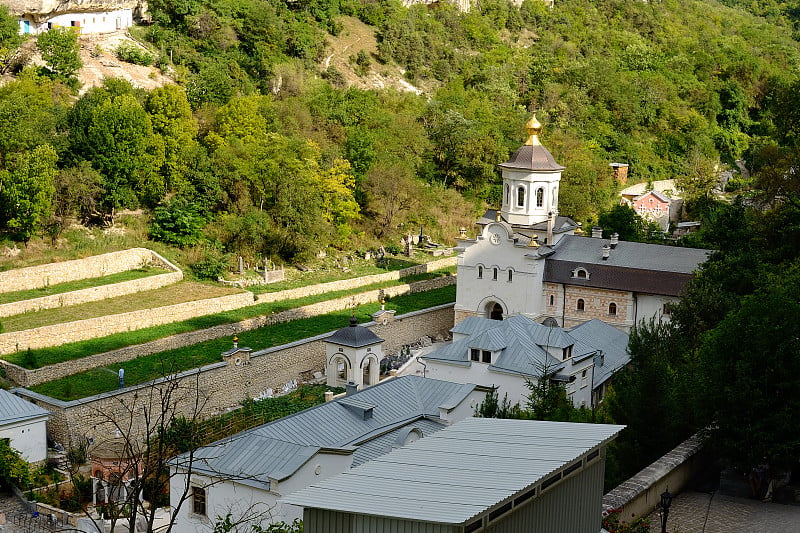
column 261, row 150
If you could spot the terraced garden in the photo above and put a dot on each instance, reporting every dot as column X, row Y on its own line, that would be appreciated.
column 153, row 366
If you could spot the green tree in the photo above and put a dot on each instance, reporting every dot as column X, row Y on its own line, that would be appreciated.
column 171, row 118
column 178, row 222
column 28, row 186
column 115, row 133
column 10, row 38
column 750, row 365
column 13, row 469
column 60, row 51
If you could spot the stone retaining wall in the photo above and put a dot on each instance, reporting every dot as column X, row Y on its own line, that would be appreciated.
column 96, row 266
column 219, row 386
column 352, row 283
column 641, row 494
column 91, row 328
column 30, row 378
column 92, row 294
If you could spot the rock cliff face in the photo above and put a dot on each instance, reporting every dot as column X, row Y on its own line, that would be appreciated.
column 48, row 8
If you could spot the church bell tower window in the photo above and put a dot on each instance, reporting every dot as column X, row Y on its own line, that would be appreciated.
column 521, row 197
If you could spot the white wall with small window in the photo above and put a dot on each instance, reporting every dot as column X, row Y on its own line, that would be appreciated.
column 209, row 497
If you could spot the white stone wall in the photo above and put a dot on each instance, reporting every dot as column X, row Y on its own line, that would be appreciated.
column 103, row 326
column 96, row 266
column 92, row 294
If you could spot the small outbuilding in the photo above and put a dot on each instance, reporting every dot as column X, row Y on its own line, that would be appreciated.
column 478, row 475
column 353, row 355
column 24, row 424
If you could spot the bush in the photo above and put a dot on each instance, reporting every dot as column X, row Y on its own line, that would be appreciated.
column 212, row 265
column 131, row 53
column 178, row 222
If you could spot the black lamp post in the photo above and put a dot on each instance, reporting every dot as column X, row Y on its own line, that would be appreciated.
column 666, row 501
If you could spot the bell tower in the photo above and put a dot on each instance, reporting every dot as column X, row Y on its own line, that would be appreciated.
column 530, row 181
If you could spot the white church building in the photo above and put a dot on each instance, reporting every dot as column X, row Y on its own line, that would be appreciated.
column 528, row 260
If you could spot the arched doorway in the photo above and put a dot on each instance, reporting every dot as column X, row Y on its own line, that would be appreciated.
column 496, row 312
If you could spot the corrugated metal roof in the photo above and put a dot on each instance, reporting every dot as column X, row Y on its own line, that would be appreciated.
column 279, row 448
column 613, row 344
column 525, row 342
column 15, row 409
column 388, row 441
column 458, row 472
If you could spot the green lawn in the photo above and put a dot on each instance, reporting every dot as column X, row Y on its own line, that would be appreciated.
column 77, row 350
column 153, row 366
column 128, row 275
column 184, row 291
column 296, row 278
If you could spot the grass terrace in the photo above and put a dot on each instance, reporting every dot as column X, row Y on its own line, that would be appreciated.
column 296, row 278
column 151, row 367
column 181, row 292
column 61, row 288
column 77, row 350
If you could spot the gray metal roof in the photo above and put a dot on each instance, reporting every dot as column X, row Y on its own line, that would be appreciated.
column 524, row 343
column 459, row 472
column 612, row 342
column 15, row 409
column 279, row 448
column 354, row 336
column 394, row 439
column 634, row 255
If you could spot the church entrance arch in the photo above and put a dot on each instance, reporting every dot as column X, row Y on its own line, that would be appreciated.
column 493, row 307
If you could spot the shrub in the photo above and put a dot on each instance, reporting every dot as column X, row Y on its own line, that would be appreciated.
column 212, row 264
column 131, row 53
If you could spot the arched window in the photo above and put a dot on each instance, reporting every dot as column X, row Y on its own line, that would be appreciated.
column 521, row 197
column 552, row 300
column 539, row 197
column 494, row 274
column 510, row 275
column 555, row 196
column 612, row 309
column 508, row 195
column 580, row 306
column 480, row 272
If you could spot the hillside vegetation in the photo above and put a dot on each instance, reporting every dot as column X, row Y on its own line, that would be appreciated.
column 263, row 150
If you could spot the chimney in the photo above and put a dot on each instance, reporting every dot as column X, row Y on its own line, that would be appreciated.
column 551, row 220
column 614, row 240
column 606, row 252
column 351, row 388
column 328, row 395
column 597, row 232
column 620, row 172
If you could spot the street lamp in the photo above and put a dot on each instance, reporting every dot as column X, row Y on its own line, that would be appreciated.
column 666, row 501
